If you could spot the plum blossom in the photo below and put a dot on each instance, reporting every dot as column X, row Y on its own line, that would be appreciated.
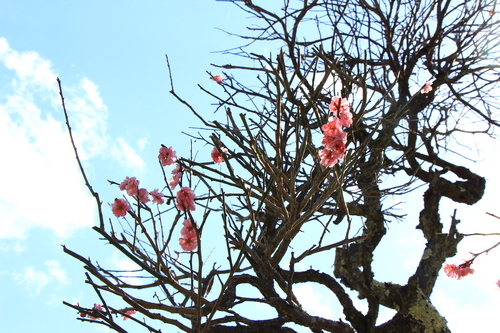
column 334, row 137
column 328, row 158
column 185, row 199
column 333, row 127
column 167, row 156
column 458, row 271
column 498, row 283
column 218, row 78
column 176, row 178
column 340, row 108
column 217, row 156
column 338, row 105
column 345, row 118
column 96, row 310
column 188, row 244
column 130, row 313
column 427, row 87
column 157, row 197
column 188, row 229
column 328, row 140
column 143, row 195
column 336, row 145
column 130, row 185
column 189, row 239
column 120, row 207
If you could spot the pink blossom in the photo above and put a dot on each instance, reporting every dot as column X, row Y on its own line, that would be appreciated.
column 338, row 105
column 167, row 156
column 120, row 207
column 427, row 87
column 498, row 283
column 328, row 158
column 334, row 138
column 333, row 127
column 95, row 312
column 130, row 313
column 185, row 199
column 130, row 185
column 345, row 118
column 328, row 139
column 188, row 229
column 218, row 78
column 157, row 197
column 188, row 243
column 335, row 145
column 458, row 271
column 143, row 195
column 177, row 175
column 217, row 157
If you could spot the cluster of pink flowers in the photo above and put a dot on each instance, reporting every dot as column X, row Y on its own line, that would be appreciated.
column 185, row 199
column 334, row 138
column 427, row 87
column 176, row 176
column 458, row 271
column 189, row 240
column 218, row 78
column 157, row 197
column 96, row 311
column 217, row 155
column 130, row 185
column 167, row 156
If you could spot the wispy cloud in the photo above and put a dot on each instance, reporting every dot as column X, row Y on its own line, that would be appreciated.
column 57, row 271
column 42, row 186
column 34, row 280
column 126, row 155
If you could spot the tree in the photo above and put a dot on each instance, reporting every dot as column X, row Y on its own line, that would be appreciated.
column 416, row 76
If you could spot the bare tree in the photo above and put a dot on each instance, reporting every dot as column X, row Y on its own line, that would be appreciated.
column 417, row 75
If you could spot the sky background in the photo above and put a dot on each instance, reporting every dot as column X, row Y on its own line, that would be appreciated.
column 111, row 61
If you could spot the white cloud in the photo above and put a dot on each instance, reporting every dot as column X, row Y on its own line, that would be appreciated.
column 13, row 245
column 42, row 185
column 127, row 156
column 88, row 118
column 56, row 271
column 314, row 300
column 93, row 94
column 32, row 279
column 465, row 317
column 29, row 67
column 35, row 280
column 142, row 143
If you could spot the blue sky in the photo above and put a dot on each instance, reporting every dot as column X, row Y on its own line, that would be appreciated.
column 111, row 60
